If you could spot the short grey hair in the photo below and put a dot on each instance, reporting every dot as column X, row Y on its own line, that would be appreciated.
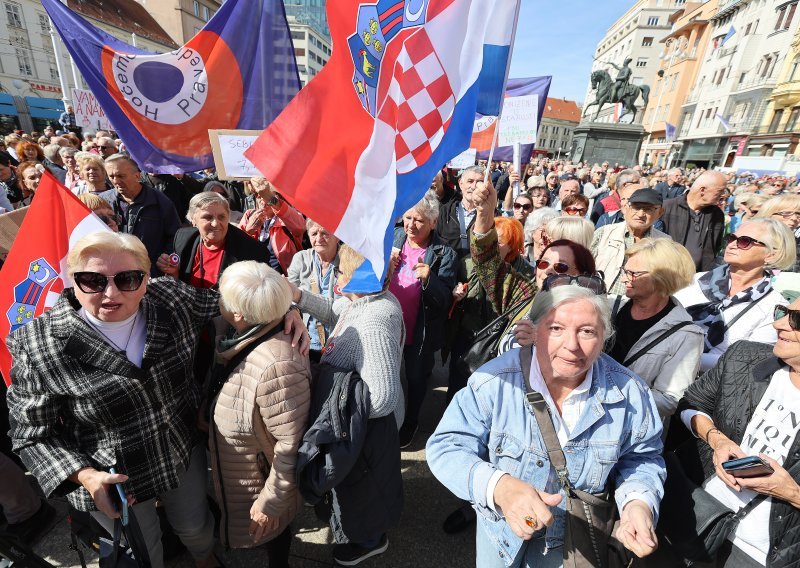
column 576, row 229
column 120, row 157
column 546, row 302
column 474, row 169
column 203, row 200
column 779, row 240
column 51, row 151
column 255, row 291
column 428, row 206
column 539, row 218
column 536, row 181
column 628, row 176
column 67, row 151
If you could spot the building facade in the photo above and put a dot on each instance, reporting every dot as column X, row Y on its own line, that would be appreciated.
column 637, row 34
column 748, row 47
column 310, row 35
column 181, row 19
column 683, row 50
column 31, row 67
column 558, row 124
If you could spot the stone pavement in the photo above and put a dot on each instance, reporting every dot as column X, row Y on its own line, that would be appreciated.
column 418, row 542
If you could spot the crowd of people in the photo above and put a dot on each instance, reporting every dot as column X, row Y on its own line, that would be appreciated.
column 593, row 320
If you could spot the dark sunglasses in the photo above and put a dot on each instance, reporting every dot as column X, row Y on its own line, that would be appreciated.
column 523, row 206
column 95, row 283
column 593, row 283
column 744, row 242
column 575, row 211
column 558, row 267
column 794, row 316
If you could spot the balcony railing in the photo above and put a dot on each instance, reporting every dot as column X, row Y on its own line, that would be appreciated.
column 755, row 83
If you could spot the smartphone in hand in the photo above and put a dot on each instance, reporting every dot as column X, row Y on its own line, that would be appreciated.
column 119, row 497
column 750, row 466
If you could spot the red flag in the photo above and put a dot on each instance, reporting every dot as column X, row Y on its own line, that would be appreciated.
column 34, row 273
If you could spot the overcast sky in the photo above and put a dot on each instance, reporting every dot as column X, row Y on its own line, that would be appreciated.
column 559, row 37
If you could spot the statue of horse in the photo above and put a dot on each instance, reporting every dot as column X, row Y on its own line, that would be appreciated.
column 602, row 82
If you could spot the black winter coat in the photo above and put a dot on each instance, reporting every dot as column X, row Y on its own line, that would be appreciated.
column 730, row 393
column 344, row 450
column 677, row 220
column 238, row 246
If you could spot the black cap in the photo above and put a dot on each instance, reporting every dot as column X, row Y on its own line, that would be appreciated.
column 646, row 195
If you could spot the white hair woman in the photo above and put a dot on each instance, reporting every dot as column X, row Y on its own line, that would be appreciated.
column 73, row 174
column 368, row 336
column 422, row 281
column 786, row 209
column 315, row 270
column 735, row 300
column 211, row 244
column 536, row 238
column 488, row 434
column 93, row 178
column 260, row 388
column 575, row 229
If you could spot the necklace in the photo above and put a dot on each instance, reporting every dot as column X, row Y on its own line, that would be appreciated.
column 124, row 348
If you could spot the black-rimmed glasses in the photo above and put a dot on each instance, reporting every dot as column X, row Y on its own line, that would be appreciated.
column 744, row 242
column 593, row 283
column 95, row 283
column 632, row 274
column 794, row 316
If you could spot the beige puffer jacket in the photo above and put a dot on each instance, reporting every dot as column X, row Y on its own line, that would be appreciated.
column 260, row 417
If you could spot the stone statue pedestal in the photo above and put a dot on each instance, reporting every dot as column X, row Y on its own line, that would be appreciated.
column 598, row 142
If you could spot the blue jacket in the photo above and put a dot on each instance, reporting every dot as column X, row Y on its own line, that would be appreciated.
column 437, row 296
column 489, row 426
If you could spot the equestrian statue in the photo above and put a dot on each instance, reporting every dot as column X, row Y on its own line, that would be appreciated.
column 620, row 90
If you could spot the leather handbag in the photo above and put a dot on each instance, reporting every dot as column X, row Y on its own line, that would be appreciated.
column 126, row 548
column 484, row 342
column 694, row 522
column 591, row 520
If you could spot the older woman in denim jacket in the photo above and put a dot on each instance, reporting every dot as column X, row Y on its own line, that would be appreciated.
column 488, row 448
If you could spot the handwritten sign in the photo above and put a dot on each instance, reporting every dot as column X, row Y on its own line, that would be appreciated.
column 229, row 147
column 463, row 160
column 520, row 120
column 88, row 114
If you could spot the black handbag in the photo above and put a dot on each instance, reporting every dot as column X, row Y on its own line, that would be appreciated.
column 694, row 522
column 485, row 342
column 132, row 553
column 591, row 520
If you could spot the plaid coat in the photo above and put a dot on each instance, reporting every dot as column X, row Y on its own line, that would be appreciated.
column 76, row 402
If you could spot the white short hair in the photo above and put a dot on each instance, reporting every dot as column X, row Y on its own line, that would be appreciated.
column 546, row 302
column 203, row 200
column 255, row 291
column 575, row 229
column 539, row 218
column 428, row 206
column 779, row 240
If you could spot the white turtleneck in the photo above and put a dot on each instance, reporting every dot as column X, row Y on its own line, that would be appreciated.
column 128, row 335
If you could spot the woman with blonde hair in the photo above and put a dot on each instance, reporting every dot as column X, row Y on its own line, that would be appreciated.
column 260, row 392
column 786, row 209
column 93, row 178
column 576, row 229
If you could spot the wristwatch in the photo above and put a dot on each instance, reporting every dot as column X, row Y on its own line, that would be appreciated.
column 274, row 200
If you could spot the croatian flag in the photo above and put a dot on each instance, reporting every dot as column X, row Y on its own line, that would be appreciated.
column 361, row 143
column 35, row 271
column 238, row 72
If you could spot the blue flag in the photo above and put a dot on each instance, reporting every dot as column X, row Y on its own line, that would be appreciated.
column 238, row 72
column 669, row 131
column 729, row 35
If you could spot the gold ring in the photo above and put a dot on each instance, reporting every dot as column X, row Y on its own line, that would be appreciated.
column 531, row 521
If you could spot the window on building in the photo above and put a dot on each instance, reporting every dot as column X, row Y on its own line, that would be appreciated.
column 789, row 15
column 793, row 69
column 544, row 143
column 14, row 15
column 794, row 116
column 296, row 34
column 755, row 27
column 647, row 41
column 44, row 23
column 747, row 29
column 206, row 13
column 779, row 21
column 51, row 63
column 720, row 76
column 197, row 8
column 652, row 21
column 24, row 62
column 776, row 120
column 674, row 82
column 299, row 52
column 641, row 62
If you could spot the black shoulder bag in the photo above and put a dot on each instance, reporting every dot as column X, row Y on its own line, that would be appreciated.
column 591, row 520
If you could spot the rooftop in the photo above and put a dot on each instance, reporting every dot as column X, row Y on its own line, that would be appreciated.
column 126, row 15
column 562, row 109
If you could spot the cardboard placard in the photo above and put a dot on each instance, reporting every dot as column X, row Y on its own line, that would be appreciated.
column 9, row 227
column 520, row 120
column 88, row 114
column 464, row 160
column 229, row 147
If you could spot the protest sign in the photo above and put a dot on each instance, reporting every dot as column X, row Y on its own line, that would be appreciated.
column 228, row 147
column 88, row 113
column 519, row 122
column 464, row 160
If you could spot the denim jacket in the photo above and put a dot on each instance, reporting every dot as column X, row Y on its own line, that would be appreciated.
column 489, row 426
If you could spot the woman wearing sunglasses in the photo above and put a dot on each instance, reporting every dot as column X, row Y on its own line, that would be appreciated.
column 104, row 380
column 786, row 209
column 747, row 405
column 735, row 300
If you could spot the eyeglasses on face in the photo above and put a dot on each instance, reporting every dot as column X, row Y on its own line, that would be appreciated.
column 558, row 267
column 523, row 206
column 575, row 211
column 632, row 274
column 787, row 214
column 744, row 242
column 593, row 283
column 781, row 312
column 95, row 283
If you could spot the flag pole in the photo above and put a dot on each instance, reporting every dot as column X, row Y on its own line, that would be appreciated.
column 503, row 95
